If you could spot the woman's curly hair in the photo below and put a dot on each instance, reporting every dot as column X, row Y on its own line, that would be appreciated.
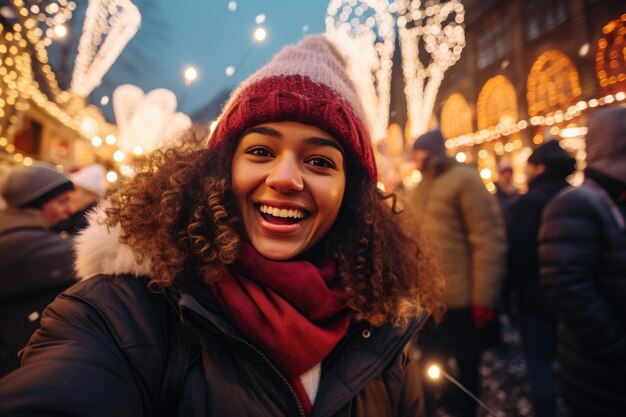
column 179, row 214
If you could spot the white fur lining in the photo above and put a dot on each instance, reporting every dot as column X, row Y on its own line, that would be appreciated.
column 99, row 251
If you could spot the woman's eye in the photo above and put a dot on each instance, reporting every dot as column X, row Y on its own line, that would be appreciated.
column 321, row 162
column 259, row 151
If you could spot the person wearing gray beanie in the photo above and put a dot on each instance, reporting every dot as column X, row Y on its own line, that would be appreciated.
column 39, row 187
column 36, row 263
column 429, row 150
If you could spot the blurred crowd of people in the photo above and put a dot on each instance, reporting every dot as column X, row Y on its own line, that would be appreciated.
column 552, row 259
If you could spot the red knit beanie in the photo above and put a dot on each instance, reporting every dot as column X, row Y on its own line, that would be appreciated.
column 305, row 83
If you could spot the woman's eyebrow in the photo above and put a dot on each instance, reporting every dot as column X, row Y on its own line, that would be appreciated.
column 263, row 130
column 323, row 142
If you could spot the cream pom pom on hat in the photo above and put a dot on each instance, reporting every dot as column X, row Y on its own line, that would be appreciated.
column 91, row 178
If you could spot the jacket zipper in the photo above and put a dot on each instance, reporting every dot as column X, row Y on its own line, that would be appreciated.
column 282, row 378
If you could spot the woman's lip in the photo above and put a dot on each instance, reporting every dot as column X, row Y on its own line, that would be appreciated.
column 278, row 229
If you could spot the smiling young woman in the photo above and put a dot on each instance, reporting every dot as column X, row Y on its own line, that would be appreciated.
column 262, row 275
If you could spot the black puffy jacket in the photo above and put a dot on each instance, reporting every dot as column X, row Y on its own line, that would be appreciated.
column 110, row 347
column 583, row 270
column 523, row 263
column 35, row 267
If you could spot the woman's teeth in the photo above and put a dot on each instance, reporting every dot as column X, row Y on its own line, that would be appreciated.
column 284, row 213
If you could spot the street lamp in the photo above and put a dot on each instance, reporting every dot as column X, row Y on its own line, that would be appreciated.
column 259, row 35
column 190, row 74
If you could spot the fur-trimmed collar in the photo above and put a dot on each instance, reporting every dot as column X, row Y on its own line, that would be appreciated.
column 99, row 251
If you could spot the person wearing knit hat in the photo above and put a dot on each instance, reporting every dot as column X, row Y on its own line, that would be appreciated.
column 263, row 274
column 39, row 187
column 453, row 203
column 547, row 170
column 90, row 186
column 582, row 259
column 36, row 263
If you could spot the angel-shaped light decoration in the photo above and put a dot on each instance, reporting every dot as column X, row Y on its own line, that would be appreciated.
column 146, row 121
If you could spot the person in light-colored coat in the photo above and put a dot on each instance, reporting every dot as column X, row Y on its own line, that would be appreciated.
column 465, row 223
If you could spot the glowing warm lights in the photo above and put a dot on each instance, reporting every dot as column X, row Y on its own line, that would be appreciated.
column 584, row 49
column 96, row 141
column 119, row 156
column 461, row 157
column 260, row 18
column 573, row 132
column 60, row 31
column 109, row 25
column 190, row 74
column 456, row 117
column 110, row 139
column 438, row 28
column 111, row 176
column 434, row 372
column 104, row 100
column 611, row 56
column 230, row 70
column 232, row 6
column 485, row 173
column 365, row 33
column 553, row 83
column 146, row 121
column 497, row 131
column 497, row 103
column 260, row 34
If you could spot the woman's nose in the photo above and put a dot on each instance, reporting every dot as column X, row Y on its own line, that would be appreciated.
column 285, row 175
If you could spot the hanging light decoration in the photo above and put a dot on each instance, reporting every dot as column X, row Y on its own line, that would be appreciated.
column 146, row 121
column 435, row 29
column 109, row 26
column 52, row 16
column 364, row 32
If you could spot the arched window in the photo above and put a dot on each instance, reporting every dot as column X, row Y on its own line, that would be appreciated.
column 456, row 117
column 553, row 84
column 497, row 103
column 611, row 56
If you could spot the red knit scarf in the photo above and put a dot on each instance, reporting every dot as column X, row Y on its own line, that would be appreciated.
column 287, row 309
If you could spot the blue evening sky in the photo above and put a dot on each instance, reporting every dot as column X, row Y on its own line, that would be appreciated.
column 206, row 34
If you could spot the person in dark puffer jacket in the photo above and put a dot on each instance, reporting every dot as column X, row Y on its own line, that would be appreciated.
column 547, row 169
column 583, row 271
column 263, row 275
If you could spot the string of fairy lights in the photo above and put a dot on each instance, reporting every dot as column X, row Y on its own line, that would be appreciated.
column 551, row 119
column 18, row 88
column 439, row 27
column 364, row 32
column 52, row 17
column 109, row 26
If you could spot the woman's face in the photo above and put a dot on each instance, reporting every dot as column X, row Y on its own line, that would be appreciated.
column 289, row 179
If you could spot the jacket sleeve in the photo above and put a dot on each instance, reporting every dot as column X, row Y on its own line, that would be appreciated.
column 73, row 366
column 570, row 254
column 46, row 261
column 485, row 231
